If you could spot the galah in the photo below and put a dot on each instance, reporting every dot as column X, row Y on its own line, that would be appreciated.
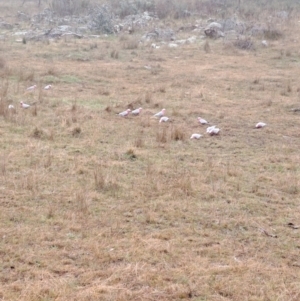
column 24, row 105
column 31, row 88
column 11, row 107
column 210, row 128
column 124, row 113
column 48, row 87
column 136, row 111
column 202, row 121
column 164, row 119
column 260, row 125
column 196, row 136
column 160, row 113
column 213, row 130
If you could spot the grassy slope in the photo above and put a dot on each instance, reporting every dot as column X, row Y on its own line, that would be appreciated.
column 94, row 206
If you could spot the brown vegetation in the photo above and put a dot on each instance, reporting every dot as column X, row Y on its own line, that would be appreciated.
column 94, row 206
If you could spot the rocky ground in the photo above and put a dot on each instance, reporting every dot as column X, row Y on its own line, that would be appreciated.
column 100, row 20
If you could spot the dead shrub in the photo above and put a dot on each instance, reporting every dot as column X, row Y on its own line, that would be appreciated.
column 162, row 89
column 74, row 107
column 206, row 47
column 82, row 202
column 139, row 142
column 99, row 179
column 51, row 71
column 124, row 8
column 2, row 63
column 145, row 122
column 148, row 97
column 272, row 34
column 37, row 133
column 161, row 135
column 130, row 154
column 104, row 92
column 48, row 160
column 3, row 109
column 3, row 160
column 4, row 89
column 131, row 43
column 69, row 7
column 244, row 44
column 114, row 54
column 34, row 111
column 76, row 131
column 177, row 134
column 108, row 109
column 29, row 76
column 184, row 183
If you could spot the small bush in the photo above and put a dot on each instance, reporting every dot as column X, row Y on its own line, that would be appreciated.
column 161, row 135
column 177, row 134
column 206, row 47
column 139, row 142
column 244, row 44
column 2, row 63
column 272, row 34
column 130, row 154
column 124, row 8
column 99, row 179
column 37, row 133
column 114, row 54
column 76, row 131
column 130, row 44
column 102, row 19
column 148, row 97
column 69, row 7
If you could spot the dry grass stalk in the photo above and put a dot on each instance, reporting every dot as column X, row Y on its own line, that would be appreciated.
column 161, row 135
column 206, row 47
column 99, row 179
column 178, row 134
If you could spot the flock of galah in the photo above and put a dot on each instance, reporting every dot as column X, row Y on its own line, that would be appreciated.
column 28, row 90
column 211, row 130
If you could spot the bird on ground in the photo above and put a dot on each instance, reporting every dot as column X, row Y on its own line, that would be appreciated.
column 213, row 130
column 160, row 113
column 260, row 125
column 24, row 105
column 136, row 111
column 32, row 88
column 196, row 136
column 164, row 119
column 11, row 107
column 210, row 128
column 202, row 121
column 124, row 113
column 48, row 87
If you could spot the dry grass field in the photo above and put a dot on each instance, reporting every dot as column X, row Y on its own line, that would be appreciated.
column 94, row 206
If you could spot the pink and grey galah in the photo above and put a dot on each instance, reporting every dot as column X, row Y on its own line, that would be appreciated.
column 24, row 105
column 260, row 125
column 160, row 113
column 196, row 136
column 164, row 119
column 48, row 87
column 202, row 121
column 124, row 113
column 137, row 111
column 31, row 88
column 213, row 130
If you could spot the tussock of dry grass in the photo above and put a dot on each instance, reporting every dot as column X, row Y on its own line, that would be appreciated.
column 99, row 207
